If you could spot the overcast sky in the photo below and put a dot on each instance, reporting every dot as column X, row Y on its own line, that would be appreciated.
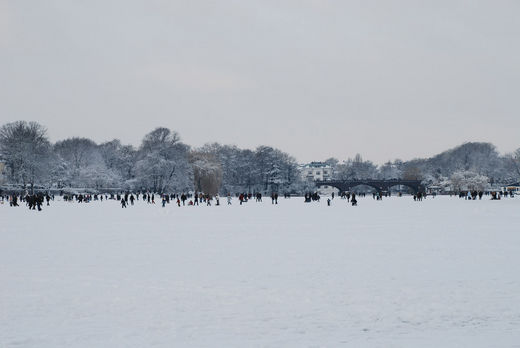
column 315, row 78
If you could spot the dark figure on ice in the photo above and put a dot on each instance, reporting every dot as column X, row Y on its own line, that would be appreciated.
column 39, row 201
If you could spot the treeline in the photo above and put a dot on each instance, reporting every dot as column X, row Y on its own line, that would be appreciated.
column 470, row 166
column 163, row 163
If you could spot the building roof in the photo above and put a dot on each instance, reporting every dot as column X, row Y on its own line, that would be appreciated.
column 316, row 165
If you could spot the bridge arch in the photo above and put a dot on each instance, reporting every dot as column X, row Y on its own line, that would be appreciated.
column 414, row 188
column 375, row 187
column 338, row 185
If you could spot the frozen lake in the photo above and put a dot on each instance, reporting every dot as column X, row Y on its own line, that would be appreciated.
column 443, row 272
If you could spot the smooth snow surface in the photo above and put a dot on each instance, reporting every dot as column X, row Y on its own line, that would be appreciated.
column 439, row 273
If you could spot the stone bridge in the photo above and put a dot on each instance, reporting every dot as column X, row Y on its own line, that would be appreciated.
column 378, row 185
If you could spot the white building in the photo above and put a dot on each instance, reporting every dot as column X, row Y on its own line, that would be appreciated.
column 318, row 171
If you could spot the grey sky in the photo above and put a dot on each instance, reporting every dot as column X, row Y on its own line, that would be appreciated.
column 315, row 78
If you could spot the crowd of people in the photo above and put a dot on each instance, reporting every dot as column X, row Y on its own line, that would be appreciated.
column 33, row 201
column 126, row 199
column 495, row 195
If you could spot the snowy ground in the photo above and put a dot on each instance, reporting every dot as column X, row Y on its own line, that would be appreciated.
column 439, row 273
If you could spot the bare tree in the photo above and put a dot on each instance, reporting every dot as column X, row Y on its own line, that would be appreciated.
column 207, row 172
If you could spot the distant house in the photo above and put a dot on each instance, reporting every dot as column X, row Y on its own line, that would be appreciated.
column 515, row 187
column 318, row 171
column 434, row 189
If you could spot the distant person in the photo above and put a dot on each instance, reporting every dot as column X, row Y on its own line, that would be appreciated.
column 353, row 200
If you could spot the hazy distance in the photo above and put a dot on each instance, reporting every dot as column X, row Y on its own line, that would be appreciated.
column 316, row 79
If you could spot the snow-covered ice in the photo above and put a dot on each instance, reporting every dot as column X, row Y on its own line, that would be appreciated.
column 439, row 273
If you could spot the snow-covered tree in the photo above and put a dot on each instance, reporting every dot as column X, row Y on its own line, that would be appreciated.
column 27, row 153
column 274, row 170
column 481, row 158
column 390, row 170
column 81, row 164
column 163, row 163
column 356, row 169
column 264, row 170
column 120, row 159
column 512, row 165
column 468, row 181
